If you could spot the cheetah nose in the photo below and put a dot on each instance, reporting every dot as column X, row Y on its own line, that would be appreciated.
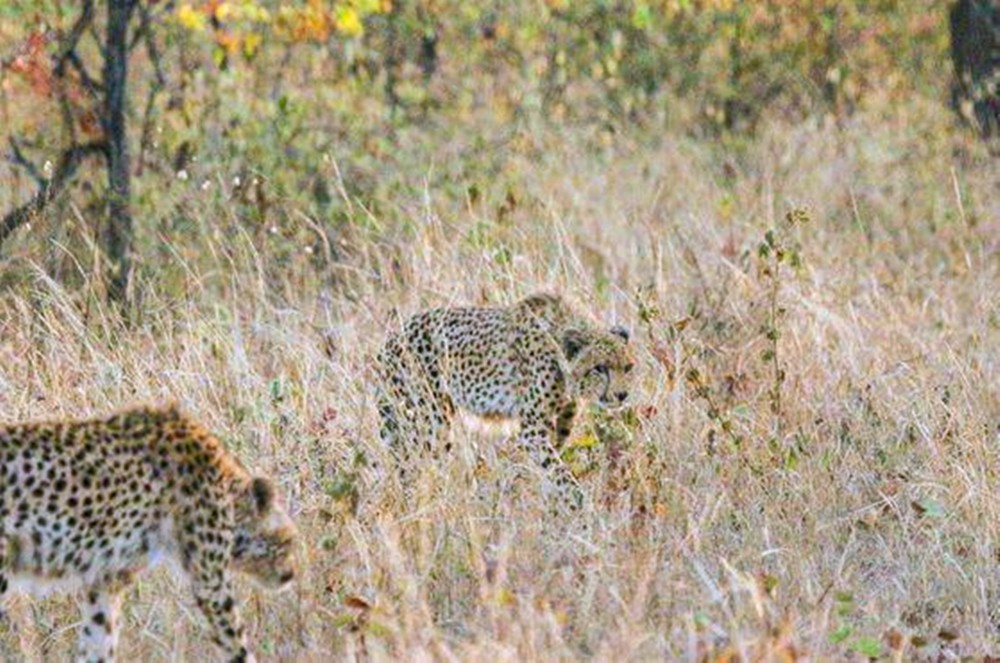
column 622, row 395
column 287, row 577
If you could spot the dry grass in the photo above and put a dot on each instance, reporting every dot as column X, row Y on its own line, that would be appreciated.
column 862, row 516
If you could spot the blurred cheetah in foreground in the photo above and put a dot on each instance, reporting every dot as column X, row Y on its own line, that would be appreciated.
column 532, row 362
column 88, row 504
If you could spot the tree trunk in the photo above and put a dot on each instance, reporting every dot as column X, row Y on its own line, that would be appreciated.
column 118, row 232
column 393, row 57
column 975, row 51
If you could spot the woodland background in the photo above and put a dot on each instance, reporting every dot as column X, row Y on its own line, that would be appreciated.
column 794, row 204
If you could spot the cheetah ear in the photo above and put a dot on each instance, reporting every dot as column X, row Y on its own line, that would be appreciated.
column 263, row 494
column 621, row 332
column 574, row 341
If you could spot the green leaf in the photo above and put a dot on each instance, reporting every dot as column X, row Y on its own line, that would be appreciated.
column 343, row 621
column 642, row 17
column 219, row 56
column 342, row 486
column 379, row 631
column 742, row 410
column 930, row 508
column 841, row 634
column 869, row 647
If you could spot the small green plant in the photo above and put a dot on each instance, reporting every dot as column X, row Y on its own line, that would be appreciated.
column 715, row 412
column 778, row 248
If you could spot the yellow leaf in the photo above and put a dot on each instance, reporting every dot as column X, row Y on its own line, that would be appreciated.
column 191, row 18
column 366, row 7
column 251, row 42
column 505, row 597
column 223, row 11
column 588, row 441
column 348, row 22
column 259, row 14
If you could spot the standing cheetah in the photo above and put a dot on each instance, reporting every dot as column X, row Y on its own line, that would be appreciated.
column 89, row 504
column 532, row 362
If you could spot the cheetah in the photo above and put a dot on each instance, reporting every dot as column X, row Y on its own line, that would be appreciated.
column 87, row 505
column 534, row 362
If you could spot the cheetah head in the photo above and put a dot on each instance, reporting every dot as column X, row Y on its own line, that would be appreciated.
column 265, row 536
column 601, row 364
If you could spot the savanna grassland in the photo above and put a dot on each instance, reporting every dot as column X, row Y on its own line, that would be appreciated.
column 809, row 465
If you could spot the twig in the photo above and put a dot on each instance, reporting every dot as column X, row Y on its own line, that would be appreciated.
column 147, row 19
column 76, row 32
column 90, row 84
column 67, row 165
column 67, row 54
column 17, row 158
column 67, row 50
column 159, row 82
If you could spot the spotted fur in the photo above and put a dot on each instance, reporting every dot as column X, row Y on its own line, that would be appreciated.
column 87, row 505
column 532, row 362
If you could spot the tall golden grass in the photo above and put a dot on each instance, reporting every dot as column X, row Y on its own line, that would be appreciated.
column 858, row 518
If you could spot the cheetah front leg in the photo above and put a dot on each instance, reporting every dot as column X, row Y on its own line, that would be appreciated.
column 4, row 580
column 540, row 438
column 564, row 423
column 206, row 556
column 13, row 644
column 390, row 428
column 213, row 592
column 99, row 626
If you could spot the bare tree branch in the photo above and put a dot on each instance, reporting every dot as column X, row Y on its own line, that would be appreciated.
column 147, row 19
column 67, row 49
column 76, row 32
column 152, row 50
column 90, row 84
column 159, row 82
column 63, row 173
column 67, row 54
column 17, row 158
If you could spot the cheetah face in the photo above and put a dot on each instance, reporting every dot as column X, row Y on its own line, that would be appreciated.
column 601, row 364
column 265, row 536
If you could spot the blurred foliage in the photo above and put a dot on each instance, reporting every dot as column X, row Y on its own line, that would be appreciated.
column 612, row 60
column 308, row 109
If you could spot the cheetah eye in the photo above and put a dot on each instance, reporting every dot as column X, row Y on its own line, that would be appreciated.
column 600, row 369
column 628, row 368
